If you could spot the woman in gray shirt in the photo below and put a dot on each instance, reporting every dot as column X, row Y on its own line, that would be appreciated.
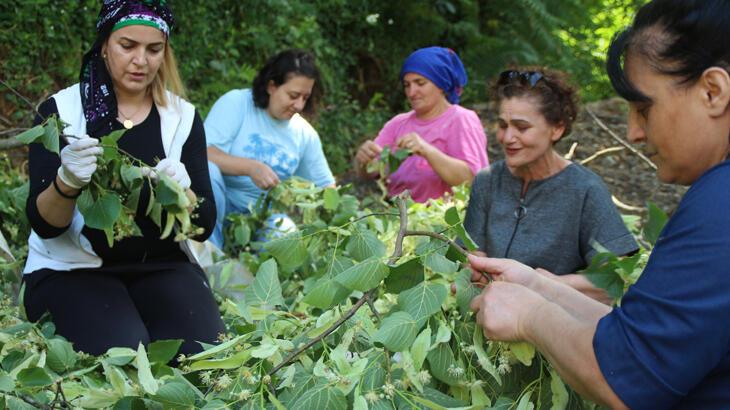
column 536, row 206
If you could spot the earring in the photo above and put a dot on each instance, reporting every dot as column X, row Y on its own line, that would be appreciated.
column 104, row 56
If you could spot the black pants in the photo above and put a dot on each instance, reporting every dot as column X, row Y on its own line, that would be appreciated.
column 123, row 305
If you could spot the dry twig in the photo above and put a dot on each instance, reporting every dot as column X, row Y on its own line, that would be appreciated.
column 619, row 139
column 366, row 298
column 600, row 153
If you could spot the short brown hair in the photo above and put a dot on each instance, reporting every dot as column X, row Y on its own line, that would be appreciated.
column 558, row 99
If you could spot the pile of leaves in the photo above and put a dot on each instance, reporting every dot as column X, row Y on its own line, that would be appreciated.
column 351, row 310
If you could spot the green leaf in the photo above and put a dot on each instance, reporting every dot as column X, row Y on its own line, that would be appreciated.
column 218, row 348
column 420, row 348
column 523, row 351
column 397, row 332
column 364, row 244
column 331, row 199
column 422, row 301
column 525, row 403
column 451, row 216
column 6, row 383
column 130, row 403
column 326, row 293
column 144, row 372
column 50, row 135
column 374, row 377
column 131, row 175
column 215, row 405
column 439, row 263
column 232, row 362
column 162, row 351
column 169, row 194
column 116, row 378
column 442, row 399
column 560, row 393
column 404, row 276
column 290, row 251
column 100, row 213
column 603, row 273
column 654, row 225
column 321, row 397
column 453, row 219
column 14, row 403
column 265, row 289
column 482, row 357
column 466, row 290
column 440, row 360
column 31, row 135
column 34, row 377
column 113, row 137
column 119, row 356
column 61, row 355
column 364, row 276
column 175, row 395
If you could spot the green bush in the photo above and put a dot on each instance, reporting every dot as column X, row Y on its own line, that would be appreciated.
column 360, row 46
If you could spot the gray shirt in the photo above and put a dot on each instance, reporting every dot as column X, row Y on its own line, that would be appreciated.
column 553, row 226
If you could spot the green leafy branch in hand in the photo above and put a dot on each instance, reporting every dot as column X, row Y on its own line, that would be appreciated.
column 387, row 164
column 110, row 201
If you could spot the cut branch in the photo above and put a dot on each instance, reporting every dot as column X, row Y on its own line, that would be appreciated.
column 448, row 240
column 620, row 140
column 10, row 143
column 366, row 298
column 600, row 153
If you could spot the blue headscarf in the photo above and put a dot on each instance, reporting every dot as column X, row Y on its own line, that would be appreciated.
column 441, row 66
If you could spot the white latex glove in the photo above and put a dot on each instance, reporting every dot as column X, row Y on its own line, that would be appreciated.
column 172, row 168
column 78, row 161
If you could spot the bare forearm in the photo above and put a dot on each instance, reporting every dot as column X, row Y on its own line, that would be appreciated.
column 453, row 171
column 229, row 164
column 55, row 209
column 567, row 342
column 570, row 299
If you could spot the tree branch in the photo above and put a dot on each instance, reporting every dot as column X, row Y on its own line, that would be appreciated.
column 366, row 298
column 448, row 240
column 600, row 153
column 27, row 101
column 619, row 139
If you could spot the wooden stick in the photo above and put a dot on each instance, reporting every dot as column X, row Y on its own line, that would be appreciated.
column 397, row 253
column 571, row 151
column 600, row 153
column 620, row 140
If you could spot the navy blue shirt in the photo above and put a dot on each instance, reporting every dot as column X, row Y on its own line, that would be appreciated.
column 668, row 345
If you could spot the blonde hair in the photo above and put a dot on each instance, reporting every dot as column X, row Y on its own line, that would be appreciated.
column 167, row 78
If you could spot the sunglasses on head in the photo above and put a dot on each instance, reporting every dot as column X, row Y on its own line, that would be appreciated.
column 530, row 77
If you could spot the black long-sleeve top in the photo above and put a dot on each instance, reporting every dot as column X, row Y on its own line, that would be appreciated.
column 144, row 142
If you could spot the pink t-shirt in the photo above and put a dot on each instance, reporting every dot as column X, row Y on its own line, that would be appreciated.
column 457, row 132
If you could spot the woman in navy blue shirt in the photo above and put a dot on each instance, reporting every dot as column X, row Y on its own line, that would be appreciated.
column 668, row 344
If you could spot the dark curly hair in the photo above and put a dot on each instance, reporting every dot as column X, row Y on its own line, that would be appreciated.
column 557, row 98
column 282, row 67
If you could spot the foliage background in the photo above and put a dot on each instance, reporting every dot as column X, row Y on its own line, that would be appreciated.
column 359, row 44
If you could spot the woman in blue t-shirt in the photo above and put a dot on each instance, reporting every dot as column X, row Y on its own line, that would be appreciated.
column 257, row 137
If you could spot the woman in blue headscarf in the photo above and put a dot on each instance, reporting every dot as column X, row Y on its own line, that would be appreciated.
column 447, row 140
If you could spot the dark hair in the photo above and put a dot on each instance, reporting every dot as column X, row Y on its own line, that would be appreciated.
column 680, row 38
column 557, row 98
column 279, row 69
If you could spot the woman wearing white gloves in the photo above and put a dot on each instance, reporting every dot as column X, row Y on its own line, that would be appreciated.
column 143, row 288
